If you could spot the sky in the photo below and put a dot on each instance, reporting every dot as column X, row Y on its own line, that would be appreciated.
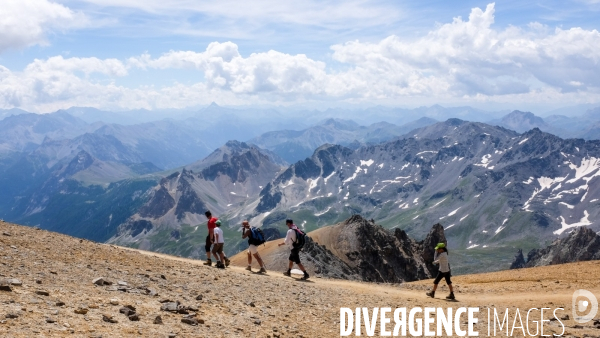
column 156, row 54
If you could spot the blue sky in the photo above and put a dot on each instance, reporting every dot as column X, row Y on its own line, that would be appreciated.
column 127, row 54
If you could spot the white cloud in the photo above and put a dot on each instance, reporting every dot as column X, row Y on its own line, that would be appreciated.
column 55, row 83
column 470, row 57
column 225, row 68
column 25, row 23
column 462, row 61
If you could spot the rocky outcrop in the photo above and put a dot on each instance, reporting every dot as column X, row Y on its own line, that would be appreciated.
column 159, row 204
column 359, row 249
column 519, row 261
column 134, row 227
column 327, row 264
column 188, row 198
column 582, row 244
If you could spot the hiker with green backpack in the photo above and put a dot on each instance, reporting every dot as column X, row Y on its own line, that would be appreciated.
column 255, row 238
column 295, row 240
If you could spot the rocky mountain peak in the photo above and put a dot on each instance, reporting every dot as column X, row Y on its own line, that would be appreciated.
column 519, row 261
column 80, row 162
column 236, row 146
column 436, row 235
column 582, row 244
column 372, row 253
column 523, row 121
column 340, row 124
column 455, row 122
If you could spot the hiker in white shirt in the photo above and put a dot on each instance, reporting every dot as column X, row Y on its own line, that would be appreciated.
column 217, row 249
column 441, row 258
column 290, row 240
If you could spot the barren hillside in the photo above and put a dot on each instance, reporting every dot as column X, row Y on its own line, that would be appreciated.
column 55, row 295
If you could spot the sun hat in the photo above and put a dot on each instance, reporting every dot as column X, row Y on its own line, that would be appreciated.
column 440, row 246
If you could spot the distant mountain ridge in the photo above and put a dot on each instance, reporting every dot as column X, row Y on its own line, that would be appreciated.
column 523, row 121
column 294, row 145
column 585, row 126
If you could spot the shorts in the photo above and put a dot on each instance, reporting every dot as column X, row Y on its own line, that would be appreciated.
column 208, row 244
column 217, row 248
column 252, row 249
column 295, row 256
column 440, row 275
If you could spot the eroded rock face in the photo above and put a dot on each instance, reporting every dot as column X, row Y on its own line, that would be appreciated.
column 582, row 244
column 365, row 251
column 519, row 261
column 159, row 204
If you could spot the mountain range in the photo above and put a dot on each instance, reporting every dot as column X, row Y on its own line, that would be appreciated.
column 147, row 185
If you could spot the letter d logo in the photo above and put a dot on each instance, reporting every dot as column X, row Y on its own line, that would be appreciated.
column 583, row 305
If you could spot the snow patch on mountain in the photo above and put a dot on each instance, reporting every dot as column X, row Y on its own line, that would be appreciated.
column 485, row 161
column 351, row 178
column 567, row 205
column 312, row 183
column 368, row 163
column 328, row 177
column 584, row 221
column 587, row 167
column 453, row 212
column 323, row 213
column 438, row 203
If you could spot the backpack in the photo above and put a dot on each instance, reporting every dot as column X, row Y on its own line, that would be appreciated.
column 300, row 240
column 257, row 237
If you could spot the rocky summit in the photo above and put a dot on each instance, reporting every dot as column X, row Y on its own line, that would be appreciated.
column 373, row 253
column 582, row 244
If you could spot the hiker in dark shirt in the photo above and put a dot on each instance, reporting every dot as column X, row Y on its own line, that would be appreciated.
column 252, row 248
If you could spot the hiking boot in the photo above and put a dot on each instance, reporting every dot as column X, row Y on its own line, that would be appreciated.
column 249, row 268
column 208, row 262
column 451, row 296
column 430, row 294
column 220, row 265
column 227, row 261
column 262, row 270
column 305, row 277
column 287, row 273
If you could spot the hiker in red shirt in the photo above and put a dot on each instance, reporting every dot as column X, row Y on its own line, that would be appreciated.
column 210, row 238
